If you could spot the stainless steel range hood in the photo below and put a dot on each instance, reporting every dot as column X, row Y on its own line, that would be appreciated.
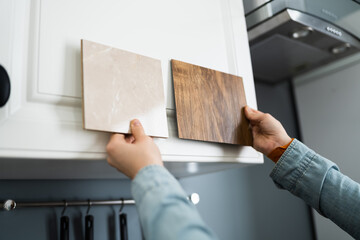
column 288, row 37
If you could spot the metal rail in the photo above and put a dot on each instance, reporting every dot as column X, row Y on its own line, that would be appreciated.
column 10, row 204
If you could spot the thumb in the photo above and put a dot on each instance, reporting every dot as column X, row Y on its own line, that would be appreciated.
column 252, row 114
column 136, row 129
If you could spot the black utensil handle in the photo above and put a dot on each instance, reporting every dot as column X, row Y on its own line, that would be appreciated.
column 123, row 227
column 64, row 228
column 89, row 227
column 4, row 86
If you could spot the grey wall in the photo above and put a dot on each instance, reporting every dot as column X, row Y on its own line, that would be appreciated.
column 239, row 203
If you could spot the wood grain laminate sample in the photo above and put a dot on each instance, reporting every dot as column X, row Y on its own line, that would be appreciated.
column 209, row 105
column 119, row 86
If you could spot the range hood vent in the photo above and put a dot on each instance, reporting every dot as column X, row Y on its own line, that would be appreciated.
column 293, row 42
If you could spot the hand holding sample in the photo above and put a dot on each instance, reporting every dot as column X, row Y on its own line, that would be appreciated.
column 268, row 133
column 129, row 154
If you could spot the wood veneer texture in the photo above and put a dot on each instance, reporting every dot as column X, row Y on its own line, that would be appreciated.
column 119, row 86
column 210, row 105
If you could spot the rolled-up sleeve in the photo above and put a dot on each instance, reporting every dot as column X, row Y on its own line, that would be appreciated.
column 163, row 207
column 320, row 184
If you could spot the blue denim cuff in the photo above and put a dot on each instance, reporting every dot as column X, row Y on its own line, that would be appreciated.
column 302, row 172
column 152, row 177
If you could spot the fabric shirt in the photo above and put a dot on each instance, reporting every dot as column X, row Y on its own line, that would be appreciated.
column 165, row 212
column 319, row 182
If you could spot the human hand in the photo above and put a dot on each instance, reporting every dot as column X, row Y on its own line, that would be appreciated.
column 268, row 133
column 129, row 154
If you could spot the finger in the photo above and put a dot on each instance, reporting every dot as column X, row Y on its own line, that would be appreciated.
column 253, row 115
column 136, row 129
column 115, row 137
column 129, row 139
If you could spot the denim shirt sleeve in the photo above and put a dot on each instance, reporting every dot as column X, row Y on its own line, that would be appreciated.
column 163, row 207
column 320, row 184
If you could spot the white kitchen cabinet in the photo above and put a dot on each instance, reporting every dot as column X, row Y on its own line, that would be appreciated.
column 40, row 48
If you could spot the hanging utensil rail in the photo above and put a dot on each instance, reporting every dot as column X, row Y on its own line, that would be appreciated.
column 10, row 204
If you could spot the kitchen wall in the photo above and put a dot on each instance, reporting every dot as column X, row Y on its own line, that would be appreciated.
column 239, row 203
column 328, row 102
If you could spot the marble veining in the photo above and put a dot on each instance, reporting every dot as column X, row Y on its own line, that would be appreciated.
column 119, row 86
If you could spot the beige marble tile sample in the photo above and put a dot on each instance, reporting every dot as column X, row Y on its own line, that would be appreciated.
column 119, row 86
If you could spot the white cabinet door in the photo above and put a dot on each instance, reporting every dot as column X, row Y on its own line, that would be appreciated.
column 40, row 48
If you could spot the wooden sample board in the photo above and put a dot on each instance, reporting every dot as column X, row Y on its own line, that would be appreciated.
column 119, row 86
column 209, row 105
